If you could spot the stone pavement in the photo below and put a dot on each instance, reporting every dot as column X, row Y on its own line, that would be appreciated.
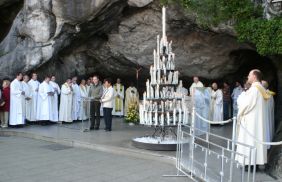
column 115, row 143
column 29, row 160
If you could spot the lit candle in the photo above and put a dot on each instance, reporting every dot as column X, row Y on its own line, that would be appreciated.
column 180, row 115
column 164, row 33
column 157, row 91
column 150, row 118
column 158, row 46
column 162, row 119
column 174, row 116
column 155, row 59
column 146, row 118
column 167, row 118
column 148, row 88
column 159, row 76
column 141, row 114
column 144, row 101
column 156, row 118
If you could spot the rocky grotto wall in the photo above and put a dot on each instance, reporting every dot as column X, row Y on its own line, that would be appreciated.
column 114, row 37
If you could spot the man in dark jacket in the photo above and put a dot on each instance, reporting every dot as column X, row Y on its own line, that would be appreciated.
column 95, row 92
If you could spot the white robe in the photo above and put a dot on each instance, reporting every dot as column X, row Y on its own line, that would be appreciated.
column 34, row 91
column 194, row 85
column 118, row 91
column 131, row 95
column 16, row 103
column 269, row 124
column 201, row 103
column 217, row 105
column 75, row 102
column 84, row 103
column 65, row 112
column 27, row 103
column 235, row 94
column 44, row 103
column 55, row 104
column 251, row 115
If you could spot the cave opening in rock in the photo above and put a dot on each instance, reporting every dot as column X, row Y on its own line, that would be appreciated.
column 248, row 60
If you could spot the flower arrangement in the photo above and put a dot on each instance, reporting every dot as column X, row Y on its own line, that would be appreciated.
column 133, row 112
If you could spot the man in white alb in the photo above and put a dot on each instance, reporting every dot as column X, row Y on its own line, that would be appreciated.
column 16, row 102
column 251, row 115
column 27, row 97
column 34, row 91
column 65, row 112
column 196, row 83
column 76, row 99
column 55, row 103
column 45, row 98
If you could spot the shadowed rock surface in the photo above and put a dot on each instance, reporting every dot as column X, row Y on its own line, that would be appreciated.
column 114, row 37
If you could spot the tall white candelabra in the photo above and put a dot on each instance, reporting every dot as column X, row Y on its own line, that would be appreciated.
column 163, row 103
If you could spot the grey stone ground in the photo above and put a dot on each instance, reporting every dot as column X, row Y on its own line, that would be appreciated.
column 43, row 159
column 29, row 160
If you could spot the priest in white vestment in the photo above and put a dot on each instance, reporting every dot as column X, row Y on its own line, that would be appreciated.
column 16, row 102
column 216, row 103
column 199, row 97
column 235, row 94
column 269, row 124
column 119, row 97
column 196, row 83
column 76, row 99
column 55, row 99
column 131, row 96
column 27, row 98
column 45, row 99
column 251, row 115
column 84, row 103
column 65, row 112
column 34, row 89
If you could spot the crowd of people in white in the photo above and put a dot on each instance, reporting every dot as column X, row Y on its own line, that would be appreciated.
column 28, row 100
column 253, row 106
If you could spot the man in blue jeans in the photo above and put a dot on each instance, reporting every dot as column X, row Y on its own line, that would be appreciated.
column 107, row 101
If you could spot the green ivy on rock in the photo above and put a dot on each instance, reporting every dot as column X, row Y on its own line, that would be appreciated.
column 244, row 15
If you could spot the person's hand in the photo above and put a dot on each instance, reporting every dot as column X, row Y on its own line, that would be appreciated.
column 3, row 103
column 51, row 93
column 23, row 93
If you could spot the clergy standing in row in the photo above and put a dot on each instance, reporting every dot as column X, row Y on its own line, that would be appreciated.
column 131, row 96
column 252, row 115
column 45, row 98
column 16, row 102
column 196, row 83
column 65, row 112
column 27, row 98
column 55, row 98
column 34, row 91
column 119, row 97
column 216, row 103
column 75, row 100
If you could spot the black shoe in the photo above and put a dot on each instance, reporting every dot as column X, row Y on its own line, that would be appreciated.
column 91, row 128
column 96, row 128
